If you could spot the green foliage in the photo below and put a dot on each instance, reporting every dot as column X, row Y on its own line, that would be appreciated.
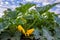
column 24, row 8
column 45, row 8
column 45, row 23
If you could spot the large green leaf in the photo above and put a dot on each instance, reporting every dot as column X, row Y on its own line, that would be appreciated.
column 37, row 34
column 10, row 14
column 57, row 33
column 57, row 19
column 4, row 25
column 47, row 34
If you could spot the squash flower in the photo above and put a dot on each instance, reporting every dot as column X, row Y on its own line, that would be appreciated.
column 27, row 33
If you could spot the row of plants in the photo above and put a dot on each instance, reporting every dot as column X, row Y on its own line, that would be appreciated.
column 33, row 24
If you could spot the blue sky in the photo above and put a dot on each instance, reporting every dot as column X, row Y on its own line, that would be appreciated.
column 4, row 4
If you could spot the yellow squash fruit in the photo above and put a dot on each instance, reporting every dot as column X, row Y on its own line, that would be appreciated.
column 29, row 32
column 21, row 29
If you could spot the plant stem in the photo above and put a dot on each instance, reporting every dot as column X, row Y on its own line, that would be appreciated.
column 32, row 23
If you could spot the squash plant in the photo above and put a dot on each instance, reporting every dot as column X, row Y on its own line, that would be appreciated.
column 34, row 24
